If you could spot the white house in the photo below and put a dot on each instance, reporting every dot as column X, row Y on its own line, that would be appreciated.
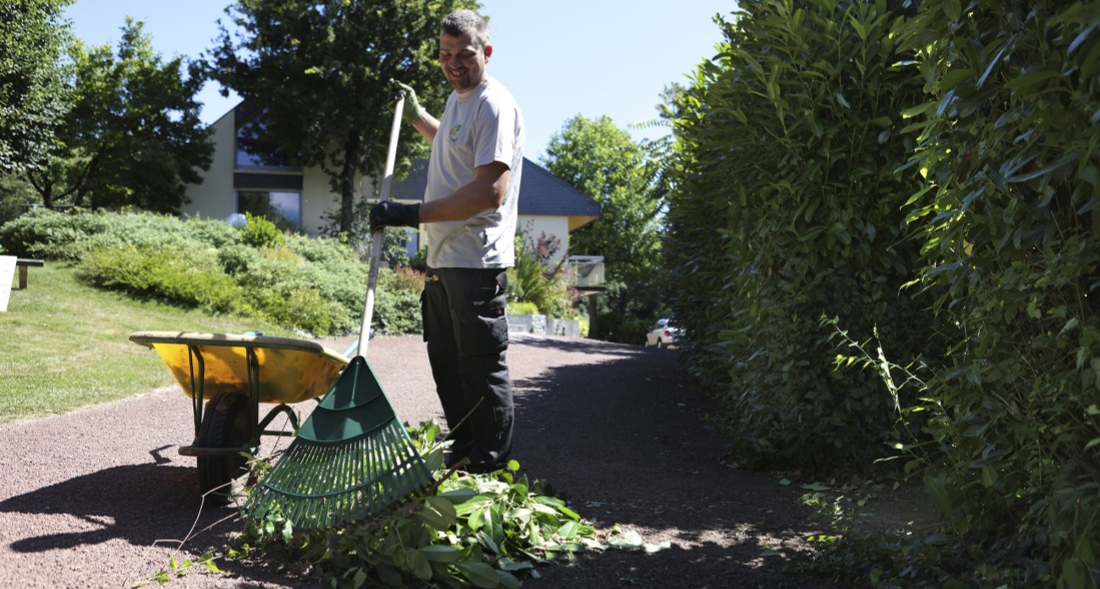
column 300, row 198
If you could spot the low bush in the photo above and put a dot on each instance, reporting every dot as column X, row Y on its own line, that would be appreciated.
column 186, row 278
column 523, row 308
column 259, row 232
column 529, row 281
column 314, row 285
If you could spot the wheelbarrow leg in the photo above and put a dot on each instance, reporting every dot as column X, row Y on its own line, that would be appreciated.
column 197, row 380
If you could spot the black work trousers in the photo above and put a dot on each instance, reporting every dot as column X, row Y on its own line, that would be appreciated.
column 467, row 335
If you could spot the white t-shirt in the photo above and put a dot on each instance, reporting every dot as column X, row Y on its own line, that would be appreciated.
column 478, row 128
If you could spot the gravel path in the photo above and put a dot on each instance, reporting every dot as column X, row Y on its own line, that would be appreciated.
column 101, row 497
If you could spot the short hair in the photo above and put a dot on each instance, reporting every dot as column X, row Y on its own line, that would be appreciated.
column 461, row 22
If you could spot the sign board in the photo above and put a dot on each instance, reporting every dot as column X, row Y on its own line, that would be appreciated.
column 7, row 275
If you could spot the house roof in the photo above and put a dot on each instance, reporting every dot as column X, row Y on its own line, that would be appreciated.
column 540, row 192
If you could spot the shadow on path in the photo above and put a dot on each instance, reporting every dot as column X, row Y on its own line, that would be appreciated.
column 620, row 431
column 155, row 503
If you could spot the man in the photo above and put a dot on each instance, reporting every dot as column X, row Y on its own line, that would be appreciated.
column 469, row 215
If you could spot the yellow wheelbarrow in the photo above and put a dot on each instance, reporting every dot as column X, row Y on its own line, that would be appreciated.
column 233, row 374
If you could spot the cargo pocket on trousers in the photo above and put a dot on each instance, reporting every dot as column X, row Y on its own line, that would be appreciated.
column 485, row 329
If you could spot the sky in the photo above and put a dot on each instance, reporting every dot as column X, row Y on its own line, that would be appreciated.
column 559, row 58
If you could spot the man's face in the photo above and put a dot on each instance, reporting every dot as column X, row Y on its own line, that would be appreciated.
column 463, row 62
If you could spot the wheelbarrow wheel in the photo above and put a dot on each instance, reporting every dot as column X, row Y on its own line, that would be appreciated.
column 226, row 423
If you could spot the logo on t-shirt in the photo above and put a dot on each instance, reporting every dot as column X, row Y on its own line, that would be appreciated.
column 453, row 135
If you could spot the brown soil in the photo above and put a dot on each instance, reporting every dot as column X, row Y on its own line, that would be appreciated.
column 101, row 498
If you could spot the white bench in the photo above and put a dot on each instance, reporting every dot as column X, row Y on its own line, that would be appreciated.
column 8, row 264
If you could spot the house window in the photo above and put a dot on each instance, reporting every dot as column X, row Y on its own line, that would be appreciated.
column 412, row 242
column 284, row 209
column 255, row 150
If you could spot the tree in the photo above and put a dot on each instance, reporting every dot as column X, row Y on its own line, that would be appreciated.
column 603, row 162
column 32, row 81
column 316, row 75
column 133, row 136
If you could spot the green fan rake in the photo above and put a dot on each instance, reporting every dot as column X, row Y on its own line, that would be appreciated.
column 352, row 457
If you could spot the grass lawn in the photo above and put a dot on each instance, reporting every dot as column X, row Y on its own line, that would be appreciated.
column 65, row 345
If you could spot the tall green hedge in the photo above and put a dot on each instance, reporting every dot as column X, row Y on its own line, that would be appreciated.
column 838, row 150
column 793, row 212
column 1008, row 141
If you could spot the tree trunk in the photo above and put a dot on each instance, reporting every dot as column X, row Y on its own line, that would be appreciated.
column 43, row 186
column 347, row 183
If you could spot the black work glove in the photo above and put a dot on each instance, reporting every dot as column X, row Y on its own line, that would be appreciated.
column 394, row 214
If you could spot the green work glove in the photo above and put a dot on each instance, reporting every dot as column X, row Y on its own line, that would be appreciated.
column 413, row 111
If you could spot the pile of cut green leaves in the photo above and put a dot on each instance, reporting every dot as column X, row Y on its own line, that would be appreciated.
column 468, row 531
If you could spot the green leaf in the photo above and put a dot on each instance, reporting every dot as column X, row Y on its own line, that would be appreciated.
column 1080, row 38
column 989, row 476
column 439, row 513
column 954, row 77
column 458, row 496
column 654, row 548
column 207, row 560
column 629, row 540
column 479, row 573
column 569, row 513
column 507, row 580
column 1032, row 78
column 441, row 553
column 519, row 516
column 952, row 9
column 507, row 564
column 390, row 575
column 359, row 579
column 417, row 562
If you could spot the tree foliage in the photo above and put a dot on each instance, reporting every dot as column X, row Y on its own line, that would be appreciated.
column 603, row 162
column 133, row 136
column 33, row 97
column 316, row 75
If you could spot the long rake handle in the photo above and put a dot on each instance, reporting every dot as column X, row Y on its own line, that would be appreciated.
column 376, row 236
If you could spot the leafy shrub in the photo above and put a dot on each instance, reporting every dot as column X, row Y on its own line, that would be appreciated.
column 180, row 277
column 397, row 301
column 16, row 194
column 420, row 260
column 323, row 251
column 47, row 234
column 529, row 281
column 213, row 232
column 260, row 232
column 523, row 308
column 314, row 285
column 237, row 259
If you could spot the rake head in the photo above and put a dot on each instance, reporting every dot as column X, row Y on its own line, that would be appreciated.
column 351, row 459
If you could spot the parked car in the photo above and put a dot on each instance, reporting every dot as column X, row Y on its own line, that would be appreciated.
column 663, row 335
